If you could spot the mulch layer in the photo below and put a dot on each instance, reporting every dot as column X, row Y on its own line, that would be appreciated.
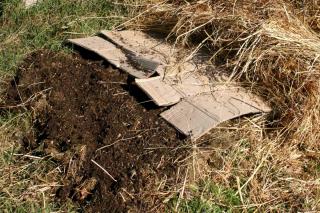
column 117, row 154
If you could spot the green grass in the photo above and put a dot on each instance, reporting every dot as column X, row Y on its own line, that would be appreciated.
column 26, row 184
column 48, row 24
column 209, row 198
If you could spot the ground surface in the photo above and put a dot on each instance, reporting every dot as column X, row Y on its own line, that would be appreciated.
column 240, row 166
column 84, row 110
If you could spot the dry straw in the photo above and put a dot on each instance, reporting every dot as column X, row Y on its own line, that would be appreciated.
column 273, row 48
column 271, row 45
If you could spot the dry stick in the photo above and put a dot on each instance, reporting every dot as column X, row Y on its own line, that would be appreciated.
column 120, row 93
column 101, row 17
column 31, row 98
column 124, row 139
column 29, row 156
column 130, row 195
column 182, row 191
column 255, row 171
column 103, row 169
column 74, row 33
column 257, row 204
column 15, row 84
column 131, row 5
column 124, row 200
column 239, row 190
column 143, row 102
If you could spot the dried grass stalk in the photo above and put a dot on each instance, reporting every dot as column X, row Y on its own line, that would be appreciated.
column 269, row 44
column 272, row 47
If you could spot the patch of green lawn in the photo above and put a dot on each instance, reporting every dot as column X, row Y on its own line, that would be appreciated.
column 207, row 197
column 48, row 24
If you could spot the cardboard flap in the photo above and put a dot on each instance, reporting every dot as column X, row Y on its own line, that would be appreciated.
column 195, row 116
column 144, row 45
column 161, row 93
column 111, row 53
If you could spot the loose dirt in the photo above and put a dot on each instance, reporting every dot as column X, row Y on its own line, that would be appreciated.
column 84, row 110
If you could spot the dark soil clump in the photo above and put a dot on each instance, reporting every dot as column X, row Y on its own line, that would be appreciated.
column 83, row 110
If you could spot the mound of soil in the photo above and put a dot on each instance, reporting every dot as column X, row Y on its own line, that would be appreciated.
column 90, row 118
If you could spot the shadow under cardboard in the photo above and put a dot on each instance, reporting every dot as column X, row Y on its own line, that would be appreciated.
column 130, row 87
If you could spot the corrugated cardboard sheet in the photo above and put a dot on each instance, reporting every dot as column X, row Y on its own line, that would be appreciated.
column 196, row 115
column 200, row 101
column 143, row 45
column 169, row 90
column 110, row 52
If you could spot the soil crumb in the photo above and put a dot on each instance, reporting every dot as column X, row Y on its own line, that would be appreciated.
column 117, row 154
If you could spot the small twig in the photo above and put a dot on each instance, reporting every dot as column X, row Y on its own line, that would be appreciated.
column 35, row 84
column 130, row 195
column 256, row 205
column 239, row 190
column 124, row 200
column 144, row 130
column 131, row 5
column 112, row 82
column 29, row 156
column 103, row 169
column 31, row 98
column 121, row 93
column 74, row 33
column 143, row 102
column 102, row 17
column 182, row 191
column 15, row 84
column 123, row 139
column 255, row 171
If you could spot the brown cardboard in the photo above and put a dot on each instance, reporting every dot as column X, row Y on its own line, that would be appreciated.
column 110, row 52
column 196, row 115
column 202, row 101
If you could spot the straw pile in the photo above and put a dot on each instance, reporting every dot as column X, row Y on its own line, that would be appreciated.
column 271, row 45
column 273, row 48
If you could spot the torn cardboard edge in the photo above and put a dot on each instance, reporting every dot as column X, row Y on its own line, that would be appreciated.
column 161, row 93
column 200, row 104
column 109, row 52
column 134, row 52
column 197, row 115
column 139, row 54
column 143, row 45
